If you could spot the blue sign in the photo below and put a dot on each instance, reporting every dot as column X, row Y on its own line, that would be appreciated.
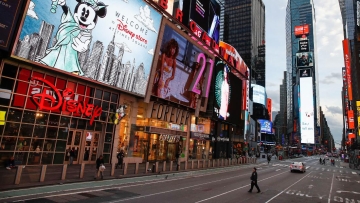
column 265, row 126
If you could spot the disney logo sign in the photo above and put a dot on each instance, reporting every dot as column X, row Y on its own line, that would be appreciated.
column 56, row 101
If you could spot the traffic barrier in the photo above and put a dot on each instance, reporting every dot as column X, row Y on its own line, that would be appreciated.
column 42, row 174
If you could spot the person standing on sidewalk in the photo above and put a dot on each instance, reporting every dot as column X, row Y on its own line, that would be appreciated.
column 269, row 159
column 99, row 163
column 254, row 181
column 120, row 157
column 72, row 155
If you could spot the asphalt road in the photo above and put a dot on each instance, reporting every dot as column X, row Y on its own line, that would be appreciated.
column 231, row 184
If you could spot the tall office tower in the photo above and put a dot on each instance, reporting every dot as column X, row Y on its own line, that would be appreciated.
column 222, row 17
column 107, row 62
column 46, row 31
column 283, row 110
column 244, row 29
column 301, row 56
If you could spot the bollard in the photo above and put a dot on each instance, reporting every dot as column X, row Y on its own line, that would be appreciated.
column 18, row 175
column 198, row 164
column 112, row 171
column 157, row 166
column 213, row 163
column 136, row 168
column 42, row 173
column 186, row 165
column 63, row 174
column 192, row 164
column 217, row 162
column 147, row 167
column 82, row 169
column 125, row 168
column 153, row 168
column 222, row 162
column 164, row 166
column 204, row 163
column 171, row 164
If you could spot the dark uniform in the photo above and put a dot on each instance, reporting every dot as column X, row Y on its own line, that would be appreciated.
column 254, row 181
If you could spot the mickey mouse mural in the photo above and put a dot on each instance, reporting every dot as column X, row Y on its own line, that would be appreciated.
column 74, row 34
column 120, row 114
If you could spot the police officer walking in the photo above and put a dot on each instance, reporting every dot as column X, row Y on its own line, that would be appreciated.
column 254, row 181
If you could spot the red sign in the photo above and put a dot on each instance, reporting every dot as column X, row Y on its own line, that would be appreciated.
column 269, row 106
column 347, row 61
column 301, row 30
column 345, row 93
column 351, row 119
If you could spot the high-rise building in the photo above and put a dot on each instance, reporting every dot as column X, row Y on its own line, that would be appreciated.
column 244, row 29
column 46, row 31
column 282, row 121
column 300, row 14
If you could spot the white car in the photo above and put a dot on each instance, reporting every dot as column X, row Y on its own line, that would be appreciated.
column 326, row 157
column 297, row 166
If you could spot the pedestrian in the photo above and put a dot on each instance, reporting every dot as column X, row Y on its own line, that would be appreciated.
column 99, row 163
column 320, row 160
column 324, row 161
column 10, row 163
column 120, row 157
column 253, row 179
column 269, row 159
column 72, row 155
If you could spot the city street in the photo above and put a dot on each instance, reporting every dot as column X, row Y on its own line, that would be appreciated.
column 231, row 184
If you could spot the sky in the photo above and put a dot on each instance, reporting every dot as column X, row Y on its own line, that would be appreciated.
column 330, row 59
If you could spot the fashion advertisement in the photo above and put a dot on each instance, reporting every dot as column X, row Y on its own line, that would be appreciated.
column 102, row 41
column 227, row 99
column 178, row 66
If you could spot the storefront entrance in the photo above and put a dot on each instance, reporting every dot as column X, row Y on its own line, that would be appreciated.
column 85, row 144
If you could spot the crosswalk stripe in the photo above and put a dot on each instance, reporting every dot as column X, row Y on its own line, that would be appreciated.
column 353, row 172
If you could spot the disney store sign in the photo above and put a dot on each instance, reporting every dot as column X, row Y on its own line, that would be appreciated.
column 51, row 99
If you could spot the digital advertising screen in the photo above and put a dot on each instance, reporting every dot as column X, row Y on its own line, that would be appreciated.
column 178, row 67
column 304, row 59
column 111, row 42
column 265, row 126
column 307, row 110
column 205, row 13
column 9, row 12
column 258, row 94
column 227, row 92
column 301, row 30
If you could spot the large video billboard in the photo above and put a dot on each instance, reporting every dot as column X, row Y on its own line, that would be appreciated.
column 265, row 126
column 182, row 74
column 9, row 12
column 111, row 42
column 304, row 59
column 306, row 110
column 227, row 91
column 258, row 94
column 301, row 30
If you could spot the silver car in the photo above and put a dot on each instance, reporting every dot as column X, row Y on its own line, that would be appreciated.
column 297, row 166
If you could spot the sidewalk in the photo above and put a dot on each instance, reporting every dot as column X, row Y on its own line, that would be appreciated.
column 31, row 174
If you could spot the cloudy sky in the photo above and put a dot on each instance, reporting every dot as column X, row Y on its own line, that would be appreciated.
column 329, row 55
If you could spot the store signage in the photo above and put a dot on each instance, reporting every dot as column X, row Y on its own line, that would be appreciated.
column 221, row 139
column 169, row 138
column 345, row 94
column 358, row 115
column 200, row 136
column 232, row 56
column 51, row 99
column 9, row 11
column 167, row 113
column 351, row 119
column 301, row 30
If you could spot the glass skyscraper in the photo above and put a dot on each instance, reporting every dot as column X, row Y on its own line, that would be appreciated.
column 300, row 12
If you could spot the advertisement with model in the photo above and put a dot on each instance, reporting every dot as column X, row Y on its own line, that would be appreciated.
column 307, row 110
column 227, row 93
column 304, row 59
column 111, row 42
column 182, row 71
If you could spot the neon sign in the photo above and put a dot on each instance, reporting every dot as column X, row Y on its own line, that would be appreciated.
column 55, row 101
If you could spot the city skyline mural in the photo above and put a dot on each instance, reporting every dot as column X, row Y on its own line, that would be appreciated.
column 93, row 39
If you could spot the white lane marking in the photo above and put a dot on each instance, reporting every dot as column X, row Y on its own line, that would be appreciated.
column 237, row 188
column 353, row 172
column 277, row 169
column 328, row 170
column 332, row 182
column 287, row 188
column 317, row 168
column 307, row 167
column 340, row 191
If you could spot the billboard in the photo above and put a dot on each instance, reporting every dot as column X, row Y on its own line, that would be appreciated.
column 303, row 45
column 306, row 110
column 258, row 94
column 9, row 12
column 227, row 92
column 304, row 59
column 112, row 42
column 232, row 56
column 205, row 15
column 358, row 114
column 305, row 72
column 347, row 62
column 265, row 126
column 350, row 116
column 182, row 72
column 269, row 107
column 345, row 92
column 301, row 30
